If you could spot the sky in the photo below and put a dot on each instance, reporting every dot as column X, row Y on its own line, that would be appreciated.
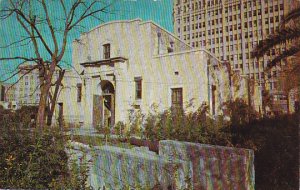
column 159, row 11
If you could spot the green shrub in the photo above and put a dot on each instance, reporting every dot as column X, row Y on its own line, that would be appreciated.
column 197, row 126
column 35, row 159
column 21, row 117
column 31, row 159
column 119, row 129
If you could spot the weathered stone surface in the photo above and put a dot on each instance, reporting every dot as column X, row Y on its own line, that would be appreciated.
column 119, row 168
column 214, row 167
column 180, row 165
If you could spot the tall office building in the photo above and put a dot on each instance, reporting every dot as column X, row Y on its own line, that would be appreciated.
column 28, row 90
column 231, row 29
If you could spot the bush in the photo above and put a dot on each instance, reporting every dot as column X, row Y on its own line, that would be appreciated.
column 239, row 112
column 21, row 117
column 197, row 127
column 36, row 159
column 275, row 142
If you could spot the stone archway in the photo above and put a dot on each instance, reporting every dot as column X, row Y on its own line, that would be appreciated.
column 104, row 105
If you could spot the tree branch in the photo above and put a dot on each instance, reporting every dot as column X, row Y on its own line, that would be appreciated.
column 280, row 37
column 16, row 42
column 64, row 7
column 32, row 37
column 291, row 51
column 32, row 24
column 85, row 15
column 50, row 27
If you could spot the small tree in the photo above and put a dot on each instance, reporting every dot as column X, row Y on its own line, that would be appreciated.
column 37, row 22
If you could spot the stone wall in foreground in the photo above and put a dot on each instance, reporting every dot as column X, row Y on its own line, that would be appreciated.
column 213, row 167
column 179, row 165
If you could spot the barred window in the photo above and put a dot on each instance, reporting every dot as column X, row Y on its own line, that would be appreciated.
column 106, row 51
column 177, row 97
column 138, row 87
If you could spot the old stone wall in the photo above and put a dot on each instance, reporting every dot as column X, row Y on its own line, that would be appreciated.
column 213, row 167
column 179, row 165
column 137, row 168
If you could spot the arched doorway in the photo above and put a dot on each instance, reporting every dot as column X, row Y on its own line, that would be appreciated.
column 104, row 105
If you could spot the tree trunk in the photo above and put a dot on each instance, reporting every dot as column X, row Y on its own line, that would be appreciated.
column 54, row 97
column 288, row 102
column 42, row 106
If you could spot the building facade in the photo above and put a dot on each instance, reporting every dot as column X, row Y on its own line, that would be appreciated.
column 231, row 29
column 8, row 96
column 27, row 88
column 128, row 66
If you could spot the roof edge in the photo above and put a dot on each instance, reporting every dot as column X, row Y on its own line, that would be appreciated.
column 189, row 51
column 170, row 33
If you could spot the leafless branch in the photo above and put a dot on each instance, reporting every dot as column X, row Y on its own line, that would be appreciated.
column 85, row 14
column 27, row 72
column 17, row 42
column 19, row 58
column 35, row 44
column 31, row 22
column 50, row 27
column 64, row 7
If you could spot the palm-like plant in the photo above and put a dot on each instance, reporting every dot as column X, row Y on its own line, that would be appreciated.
column 289, row 34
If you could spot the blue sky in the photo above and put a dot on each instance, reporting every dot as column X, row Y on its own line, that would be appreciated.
column 160, row 11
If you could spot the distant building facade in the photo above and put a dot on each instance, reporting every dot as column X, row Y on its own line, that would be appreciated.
column 8, row 96
column 28, row 88
column 128, row 66
column 231, row 29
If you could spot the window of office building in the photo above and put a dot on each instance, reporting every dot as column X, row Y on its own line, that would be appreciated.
column 266, row 20
column 281, row 7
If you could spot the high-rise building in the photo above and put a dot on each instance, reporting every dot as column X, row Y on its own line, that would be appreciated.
column 28, row 88
column 231, row 29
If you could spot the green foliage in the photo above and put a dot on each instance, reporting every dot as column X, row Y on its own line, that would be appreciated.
column 35, row 159
column 239, row 112
column 198, row 127
column 119, row 129
column 135, row 122
column 21, row 117
column 31, row 158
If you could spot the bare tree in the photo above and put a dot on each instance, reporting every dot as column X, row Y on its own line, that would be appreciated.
column 37, row 21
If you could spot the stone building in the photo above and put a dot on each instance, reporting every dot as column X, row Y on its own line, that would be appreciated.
column 126, row 66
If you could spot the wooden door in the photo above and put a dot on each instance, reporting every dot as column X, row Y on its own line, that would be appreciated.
column 97, row 110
